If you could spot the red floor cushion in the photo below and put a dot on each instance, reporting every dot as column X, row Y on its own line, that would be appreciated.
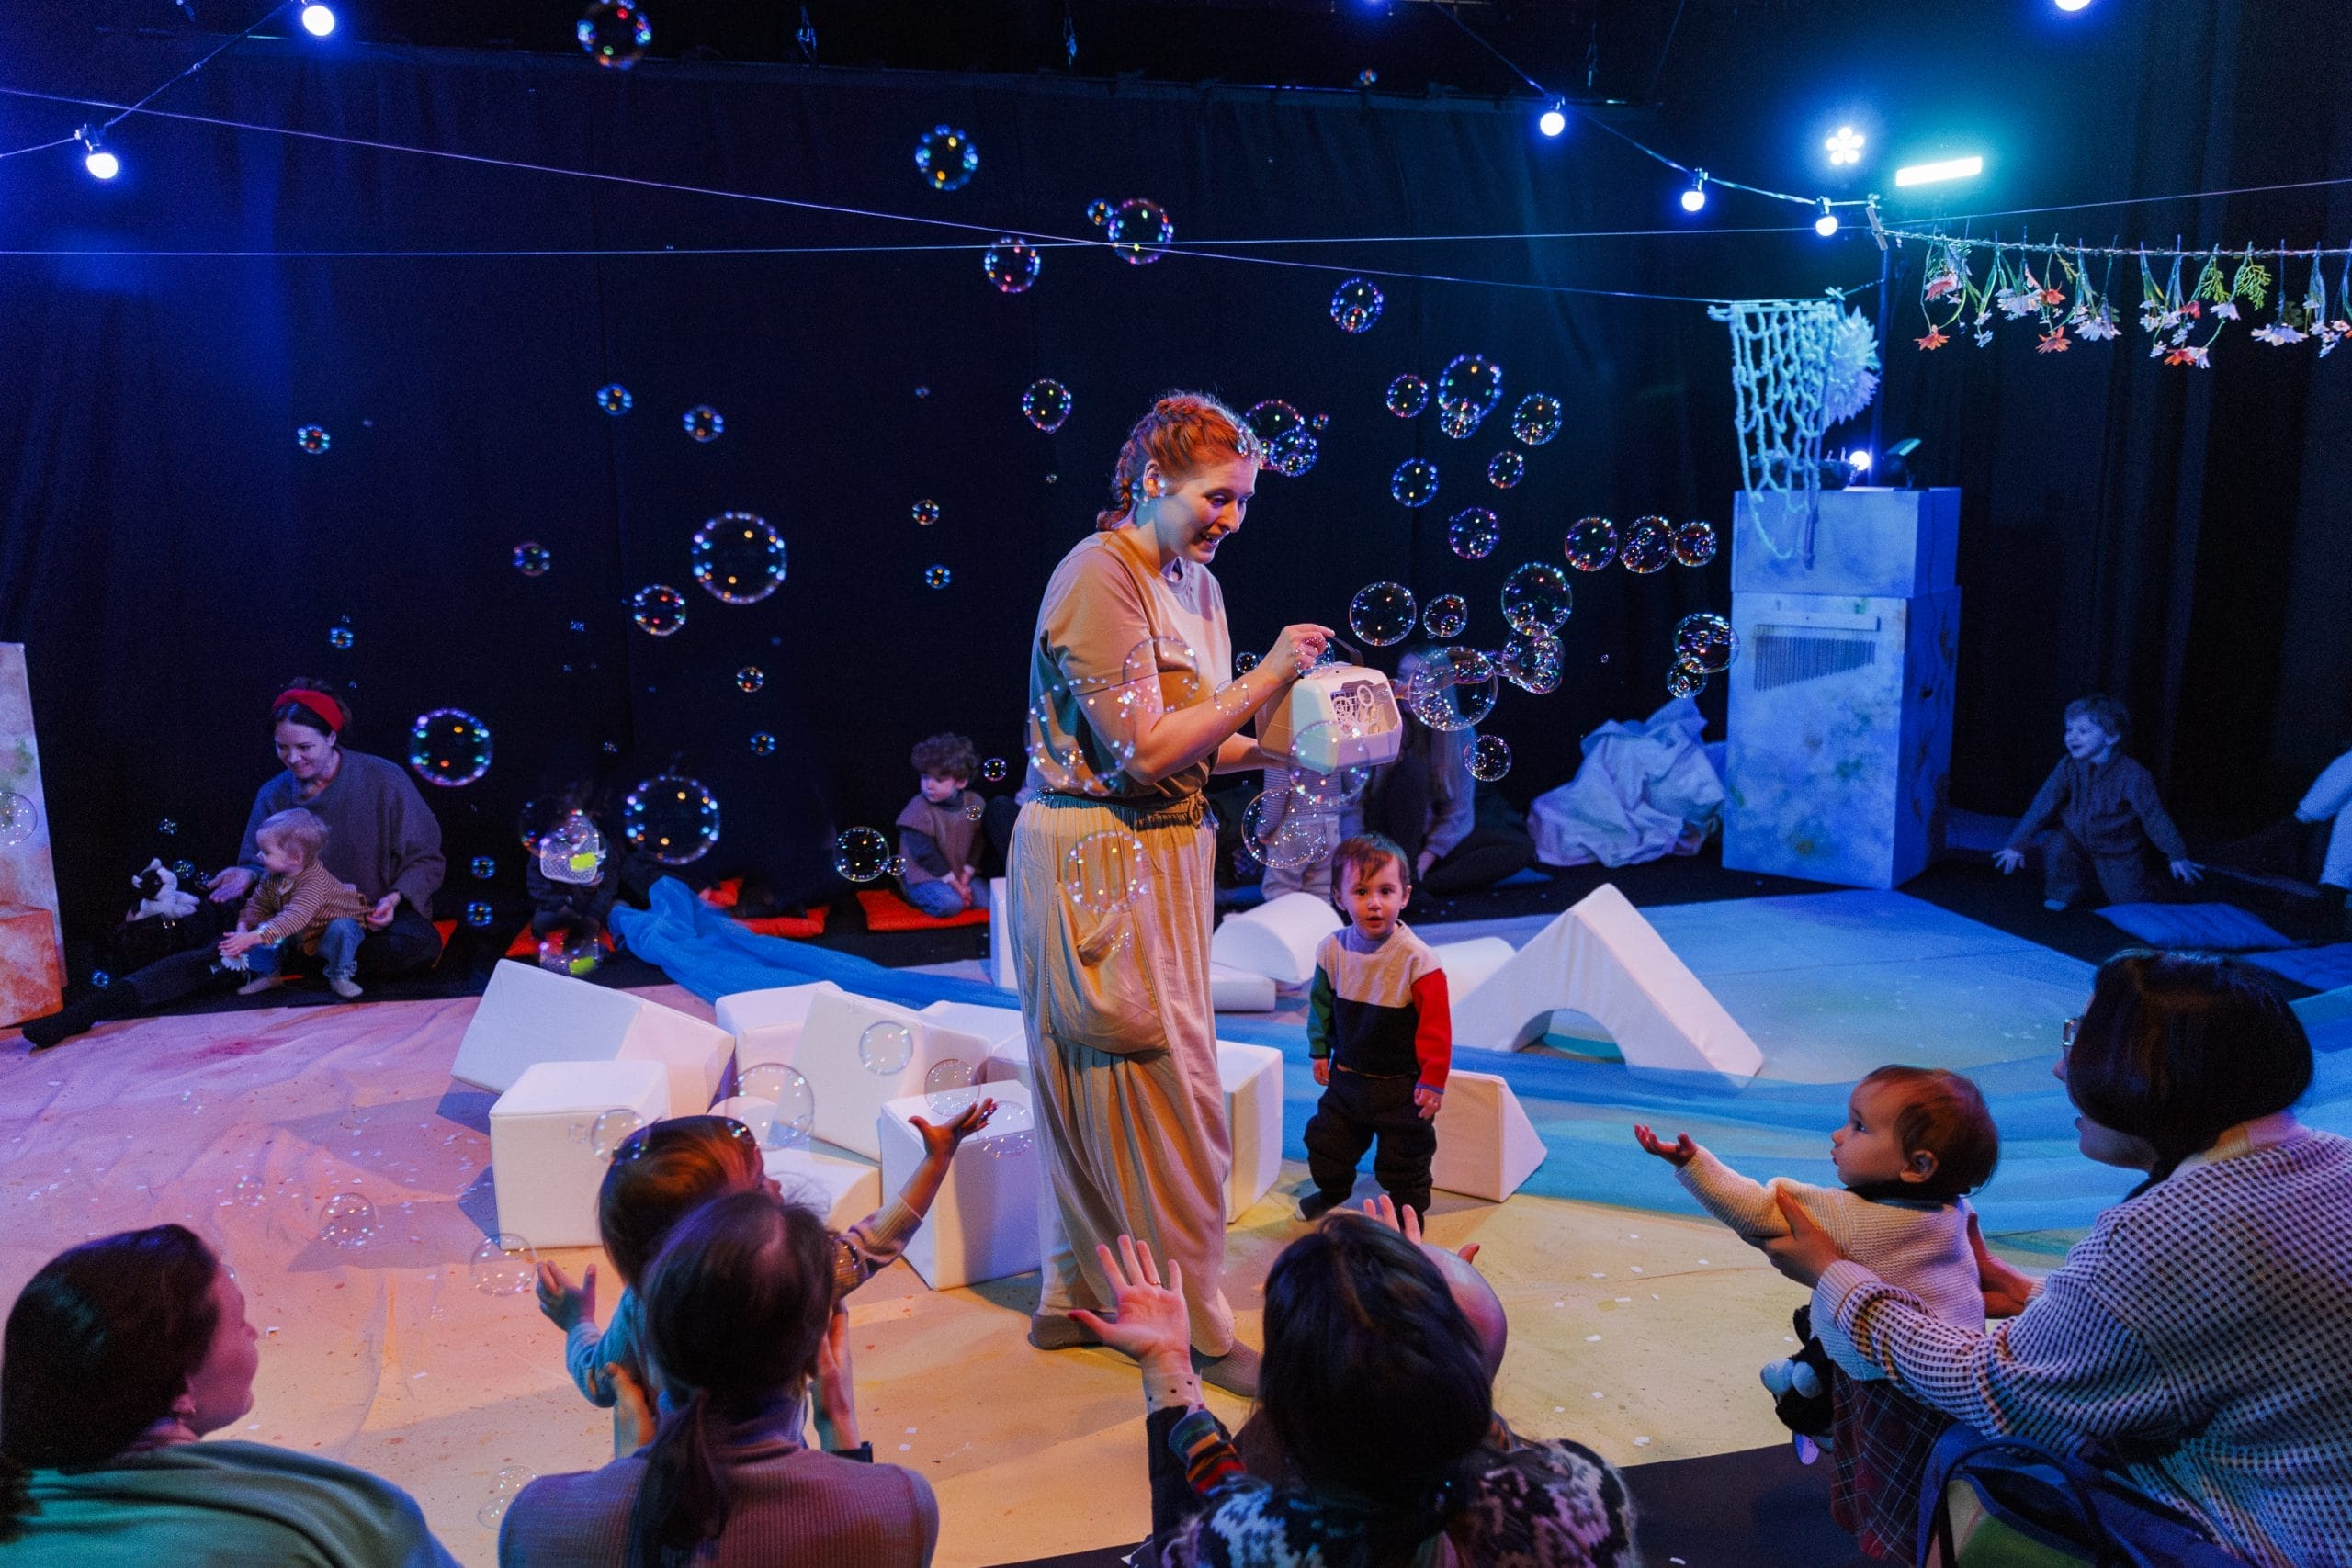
column 885, row 911
column 525, row 945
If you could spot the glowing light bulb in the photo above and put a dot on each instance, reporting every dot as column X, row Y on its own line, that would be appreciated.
column 1553, row 121
column 1859, row 459
column 2071, row 5
column 1696, row 196
column 1845, row 147
column 102, row 164
column 318, row 20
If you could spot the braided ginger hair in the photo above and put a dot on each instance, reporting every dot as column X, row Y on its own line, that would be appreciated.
column 1185, row 433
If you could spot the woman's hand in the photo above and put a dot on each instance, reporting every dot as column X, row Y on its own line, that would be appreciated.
column 232, row 885
column 381, row 916
column 564, row 1302
column 1807, row 1251
column 1297, row 650
column 634, row 1420
column 1680, row 1153
column 2005, row 1290
column 1151, row 1324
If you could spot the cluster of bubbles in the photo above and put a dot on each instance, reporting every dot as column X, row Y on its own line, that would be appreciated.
column 312, row 439
column 1105, row 872
column 614, row 33
column 1536, row 420
column 1415, row 482
column 613, row 398
column 1704, row 645
column 704, row 423
column 505, row 1264
column 1408, row 396
column 448, row 746
column 1532, row 662
column 1474, row 532
column 658, row 609
column 937, row 577
column 1136, row 227
column 1046, row 403
column 783, row 1107
column 738, row 558
column 1288, row 435
column 1506, row 468
column 946, row 158
column 1469, row 389
column 1451, row 688
column 1356, row 305
column 925, row 512
column 533, row 558
column 749, row 678
column 671, row 818
column 1011, row 265
column 1647, row 545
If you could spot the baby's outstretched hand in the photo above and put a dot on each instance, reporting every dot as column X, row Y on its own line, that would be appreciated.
column 940, row 1139
column 1681, row 1151
column 2008, row 861
column 564, row 1302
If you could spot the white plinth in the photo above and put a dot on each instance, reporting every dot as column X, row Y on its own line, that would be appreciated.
column 1239, row 990
column 844, row 1191
column 530, row 1015
column 1486, row 1145
column 1252, row 1078
column 849, row 1093
column 544, row 1172
column 767, row 1023
column 984, row 1223
column 1277, row 939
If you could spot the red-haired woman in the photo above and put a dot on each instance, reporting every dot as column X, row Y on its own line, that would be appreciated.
column 1113, row 867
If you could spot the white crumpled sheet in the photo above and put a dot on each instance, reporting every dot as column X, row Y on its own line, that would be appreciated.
column 1645, row 791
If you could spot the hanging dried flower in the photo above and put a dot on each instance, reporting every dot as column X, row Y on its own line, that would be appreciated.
column 2278, row 334
column 1934, row 338
column 2101, row 325
column 2054, row 343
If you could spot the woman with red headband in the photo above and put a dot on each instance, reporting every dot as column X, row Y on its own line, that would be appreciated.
column 382, row 839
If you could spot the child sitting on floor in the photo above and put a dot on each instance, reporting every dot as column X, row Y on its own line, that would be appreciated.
column 662, row 1173
column 298, row 907
column 940, row 830
column 1916, row 1140
column 1381, row 1031
column 2102, row 812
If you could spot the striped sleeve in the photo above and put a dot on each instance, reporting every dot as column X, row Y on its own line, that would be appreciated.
column 872, row 1245
column 1210, row 1464
column 302, row 901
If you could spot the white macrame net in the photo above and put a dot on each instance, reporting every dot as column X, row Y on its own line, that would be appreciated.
column 1780, row 369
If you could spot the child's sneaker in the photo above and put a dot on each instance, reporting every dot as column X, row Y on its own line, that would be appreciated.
column 343, row 985
column 1317, row 1204
column 259, row 984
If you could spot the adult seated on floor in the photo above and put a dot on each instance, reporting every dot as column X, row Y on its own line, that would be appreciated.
column 120, row 1355
column 737, row 1315
column 382, row 839
column 2199, row 1333
column 1462, row 837
column 1378, row 1390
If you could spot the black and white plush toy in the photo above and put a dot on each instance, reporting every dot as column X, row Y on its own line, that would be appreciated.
column 159, row 893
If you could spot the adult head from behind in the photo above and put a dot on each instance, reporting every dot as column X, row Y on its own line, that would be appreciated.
column 134, row 1339
column 1185, row 476
column 735, row 1307
column 305, row 723
column 2174, row 1050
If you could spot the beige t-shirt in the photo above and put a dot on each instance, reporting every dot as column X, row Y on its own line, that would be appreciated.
column 1116, row 641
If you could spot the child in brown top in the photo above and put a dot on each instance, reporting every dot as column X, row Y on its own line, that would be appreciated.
column 298, row 907
column 939, row 831
column 2102, row 812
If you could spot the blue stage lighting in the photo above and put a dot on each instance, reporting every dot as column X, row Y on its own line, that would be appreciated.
column 1696, row 196
column 1553, row 119
column 318, row 20
column 2071, row 5
column 102, row 164
column 1859, row 459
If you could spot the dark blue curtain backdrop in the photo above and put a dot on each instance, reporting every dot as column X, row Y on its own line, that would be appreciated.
column 170, row 555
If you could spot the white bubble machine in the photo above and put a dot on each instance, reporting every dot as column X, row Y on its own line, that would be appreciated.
column 1334, row 717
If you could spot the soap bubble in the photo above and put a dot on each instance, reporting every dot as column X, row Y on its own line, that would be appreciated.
column 1445, row 616
column 1649, row 545
column 1097, row 212
column 1532, row 661
column 1383, row 613
column 1280, row 835
column 1323, row 745
column 1474, row 532
column 505, row 1264
column 1415, row 481
column 448, row 746
column 348, row 1221
column 614, row 33
column 1456, row 421
column 671, row 818
column 575, row 953
column 512, row 1478
column 1536, row 598
column 1506, row 468
column 861, row 854
column 1355, row 305
column 1489, row 758
column 1537, row 418
column 611, row 1130
column 572, row 851
column 1046, row 404
column 478, row 914
column 1105, row 872
column 338, row 636
column 1591, row 543
column 946, row 158
column 1408, row 396
column 532, row 559
column 948, row 1088
column 615, row 400
column 1011, row 1132
column 763, row 743
column 704, row 423
column 736, row 558
column 749, row 678
column 1694, row 543
column 249, row 1191
column 895, row 866
column 1011, row 265
column 937, row 577
column 1706, row 640
column 886, row 1048
column 994, row 770
column 1163, row 673
column 1245, row 662
column 925, row 512
column 1453, row 688
column 1470, row 386
column 658, row 609
column 312, row 439
column 484, row 868
column 975, row 808
column 1291, row 447
column 1685, row 681
column 1136, row 227
column 789, row 1104
column 1080, row 760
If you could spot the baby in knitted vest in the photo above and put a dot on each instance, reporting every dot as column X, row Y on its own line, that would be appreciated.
column 1914, row 1141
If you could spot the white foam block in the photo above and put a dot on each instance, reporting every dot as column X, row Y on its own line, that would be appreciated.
column 1277, row 939
column 1239, row 990
column 849, row 1093
column 530, row 1015
column 767, row 1023
column 1008, row 1058
column 1000, row 934
column 1469, row 964
column 1603, row 959
column 542, row 1168
column 1253, row 1078
column 1486, row 1145
column 846, row 1190
column 983, row 1226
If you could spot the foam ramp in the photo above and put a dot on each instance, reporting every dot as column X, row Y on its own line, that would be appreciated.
column 530, row 1015
column 1486, row 1145
column 1277, row 939
column 1603, row 959
column 1469, row 964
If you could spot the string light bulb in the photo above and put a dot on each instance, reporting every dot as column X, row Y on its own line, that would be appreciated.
column 1555, row 118
column 102, row 164
column 318, row 20
column 1696, row 196
column 1827, row 224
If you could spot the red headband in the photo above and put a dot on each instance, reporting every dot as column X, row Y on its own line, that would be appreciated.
column 319, row 703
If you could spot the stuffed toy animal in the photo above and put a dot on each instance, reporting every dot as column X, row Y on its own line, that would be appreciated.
column 159, row 894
